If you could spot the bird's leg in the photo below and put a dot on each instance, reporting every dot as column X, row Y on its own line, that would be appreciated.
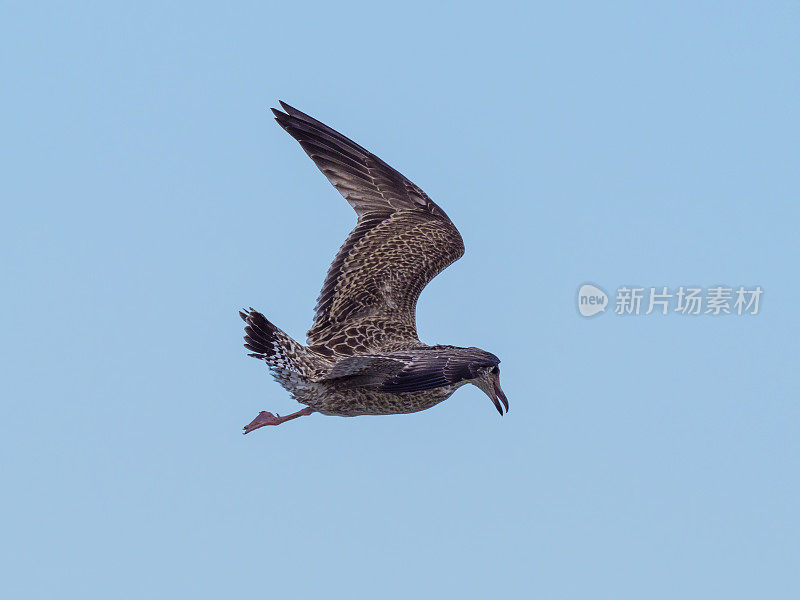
column 267, row 418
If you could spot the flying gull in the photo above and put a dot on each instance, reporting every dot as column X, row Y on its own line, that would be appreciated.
column 362, row 355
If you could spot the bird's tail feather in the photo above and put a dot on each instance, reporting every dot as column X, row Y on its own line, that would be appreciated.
column 269, row 343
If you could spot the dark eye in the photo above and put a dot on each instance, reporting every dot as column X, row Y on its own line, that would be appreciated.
column 495, row 370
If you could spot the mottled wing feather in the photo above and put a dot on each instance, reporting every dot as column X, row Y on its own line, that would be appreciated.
column 402, row 240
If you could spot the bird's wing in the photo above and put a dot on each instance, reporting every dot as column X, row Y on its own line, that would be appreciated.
column 355, row 366
column 401, row 241
column 412, row 370
column 438, row 366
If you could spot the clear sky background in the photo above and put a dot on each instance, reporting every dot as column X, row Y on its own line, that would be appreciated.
column 148, row 195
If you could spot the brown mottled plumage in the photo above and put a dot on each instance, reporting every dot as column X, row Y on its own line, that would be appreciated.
column 363, row 355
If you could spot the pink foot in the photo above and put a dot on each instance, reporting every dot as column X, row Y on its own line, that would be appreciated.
column 267, row 418
column 264, row 418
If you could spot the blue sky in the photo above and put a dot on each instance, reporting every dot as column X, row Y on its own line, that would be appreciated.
column 149, row 196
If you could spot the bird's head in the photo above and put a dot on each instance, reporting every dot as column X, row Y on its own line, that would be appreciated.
column 487, row 378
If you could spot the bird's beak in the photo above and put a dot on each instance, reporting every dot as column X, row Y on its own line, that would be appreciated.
column 498, row 396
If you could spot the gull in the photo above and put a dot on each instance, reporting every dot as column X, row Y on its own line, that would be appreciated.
column 362, row 354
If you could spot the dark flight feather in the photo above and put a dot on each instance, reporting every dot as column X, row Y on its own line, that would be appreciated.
column 430, row 370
